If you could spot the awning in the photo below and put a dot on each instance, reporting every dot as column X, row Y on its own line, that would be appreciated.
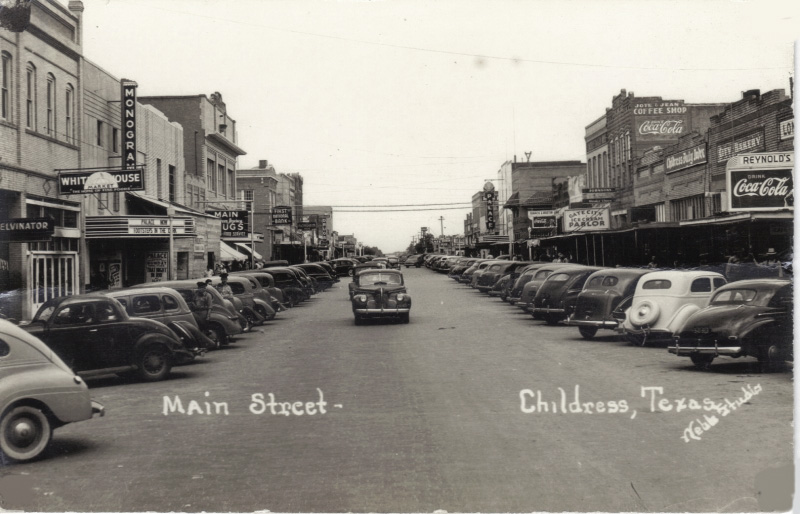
column 512, row 202
column 246, row 248
column 229, row 254
column 166, row 205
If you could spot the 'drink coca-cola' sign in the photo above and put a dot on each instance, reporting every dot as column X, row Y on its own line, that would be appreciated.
column 760, row 182
column 661, row 120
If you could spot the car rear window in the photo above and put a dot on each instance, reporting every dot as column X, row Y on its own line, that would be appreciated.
column 719, row 282
column 657, row 284
column 5, row 349
column 610, row 281
column 543, row 274
column 701, row 285
column 236, row 287
column 558, row 277
column 734, row 296
column 595, row 283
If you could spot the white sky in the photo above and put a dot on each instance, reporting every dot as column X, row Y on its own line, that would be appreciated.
column 399, row 102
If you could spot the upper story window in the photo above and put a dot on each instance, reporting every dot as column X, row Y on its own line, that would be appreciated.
column 69, row 114
column 211, row 182
column 30, row 97
column 171, row 171
column 115, row 139
column 5, row 85
column 100, row 130
column 51, row 105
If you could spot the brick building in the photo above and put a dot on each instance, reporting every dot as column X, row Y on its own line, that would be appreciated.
column 633, row 126
column 40, row 126
column 258, row 189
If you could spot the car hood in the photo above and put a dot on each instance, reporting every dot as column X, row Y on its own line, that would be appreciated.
column 378, row 288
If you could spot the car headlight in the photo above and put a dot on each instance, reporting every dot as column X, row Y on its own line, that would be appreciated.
column 360, row 298
column 401, row 297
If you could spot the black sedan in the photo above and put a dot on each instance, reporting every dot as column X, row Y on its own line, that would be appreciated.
column 380, row 293
column 94, row 335
column 745, row 318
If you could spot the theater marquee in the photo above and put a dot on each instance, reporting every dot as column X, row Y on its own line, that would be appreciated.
column 760, row 182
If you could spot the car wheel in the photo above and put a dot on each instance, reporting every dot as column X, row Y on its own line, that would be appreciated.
column 350, row 272
column 251, row 320
column 154, row 363
column 702, row 361
column 25, row 432
column 587, row 332
column 218, row 336
column 405, row 317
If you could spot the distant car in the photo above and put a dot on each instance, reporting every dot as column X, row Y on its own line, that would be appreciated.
column 664, row 300
column 38, row 393
column 745, row 318
column 351, row 287
column 530, row 289
column 414, row 260
column 93, row 334
column 225, row 321
column 380, row 293
column 603, row 292
column 394, row 263
column 343, row 267
column 320, row 274
column 167, row 306
column 524, row 275
column 556, row 298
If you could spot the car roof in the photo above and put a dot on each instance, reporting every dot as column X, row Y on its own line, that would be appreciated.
column 139, row 290
column 759, row 284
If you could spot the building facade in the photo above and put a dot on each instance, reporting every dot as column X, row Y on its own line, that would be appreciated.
column 258, row 190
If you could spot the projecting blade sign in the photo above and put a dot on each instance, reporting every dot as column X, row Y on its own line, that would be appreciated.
column 88, row 181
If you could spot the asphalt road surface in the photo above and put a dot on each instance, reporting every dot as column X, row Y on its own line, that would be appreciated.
column 445, row 413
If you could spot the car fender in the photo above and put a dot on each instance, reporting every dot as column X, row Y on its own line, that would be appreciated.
column 680, row 317
column 154, row 338
column 268, row 311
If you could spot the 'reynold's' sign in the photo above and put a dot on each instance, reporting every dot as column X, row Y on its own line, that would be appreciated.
column 760, row 182
column 128, row 113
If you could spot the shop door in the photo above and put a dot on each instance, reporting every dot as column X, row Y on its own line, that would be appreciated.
column 183, row 266
column 50, row 276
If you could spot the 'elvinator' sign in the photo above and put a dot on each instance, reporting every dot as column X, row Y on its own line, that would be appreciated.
column 74, row 182
column 26, row 230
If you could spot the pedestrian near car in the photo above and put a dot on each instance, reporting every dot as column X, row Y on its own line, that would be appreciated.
column 224, row 288
column 652, row 264
column 202, row 303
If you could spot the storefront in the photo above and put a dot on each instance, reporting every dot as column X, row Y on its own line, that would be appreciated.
column 135, row 249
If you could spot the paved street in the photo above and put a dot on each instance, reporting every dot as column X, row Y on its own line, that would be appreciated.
column 421, row 417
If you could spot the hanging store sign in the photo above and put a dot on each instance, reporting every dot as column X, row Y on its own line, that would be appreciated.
column 586, row 220
column 753, row 141
column 685, row 159
column 489, row 197
column 598, row 194
column 307, row 225
column 760, row 182
column 88, row 181
column 787, row 129
column 104, row 227
column 233, row 223
column 128, row 114
column 282, row 215
column 27, row 230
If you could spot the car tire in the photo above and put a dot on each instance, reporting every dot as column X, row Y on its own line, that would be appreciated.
column 644, row 312
column 701, row 361
column 155, row 363
column 587, row 332
column 405, row 317
column 25, row 432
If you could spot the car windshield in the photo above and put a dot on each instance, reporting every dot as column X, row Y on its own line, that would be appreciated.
column 734, row 297
column 377, row 279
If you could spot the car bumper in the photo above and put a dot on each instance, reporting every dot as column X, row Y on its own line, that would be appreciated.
column 649, row 335
column 547, row 310
column 732, row 351
column 98, row 409
column 384, row 312
column 593, row 323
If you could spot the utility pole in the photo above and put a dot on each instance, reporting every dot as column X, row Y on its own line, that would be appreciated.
column 441, row 223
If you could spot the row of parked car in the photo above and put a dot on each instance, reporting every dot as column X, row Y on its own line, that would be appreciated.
column 695, row 313
column 143, row 330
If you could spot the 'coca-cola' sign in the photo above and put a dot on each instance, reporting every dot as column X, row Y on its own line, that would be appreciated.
column 660, row 120
column 761, row 182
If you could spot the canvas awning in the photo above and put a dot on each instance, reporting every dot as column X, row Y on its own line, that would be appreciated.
column 246, row 249
column 227, row 253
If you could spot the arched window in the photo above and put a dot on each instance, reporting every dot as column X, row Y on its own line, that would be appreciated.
column 69, row 114
column 5, row 86
column 51, row 105
column 30, row 97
